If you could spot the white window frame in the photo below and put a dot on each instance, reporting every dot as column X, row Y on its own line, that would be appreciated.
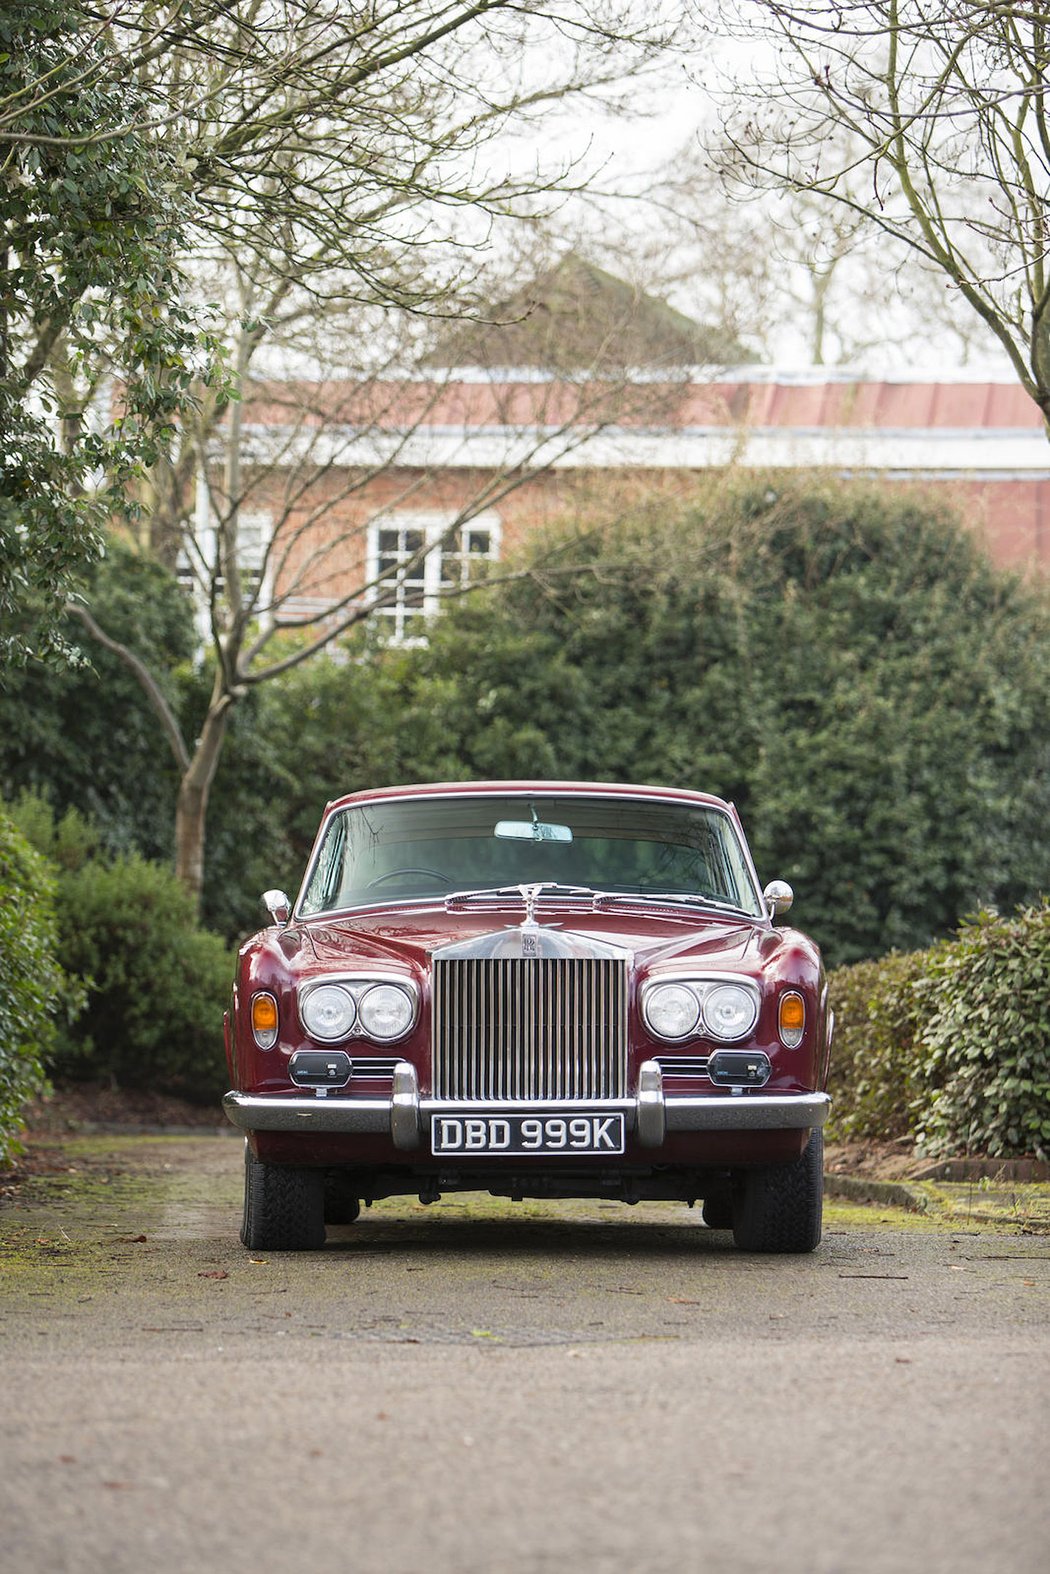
column 432, row 524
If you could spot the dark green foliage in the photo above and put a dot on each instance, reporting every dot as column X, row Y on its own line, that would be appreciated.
column 157, row 984
column 33, row 988
column 92, row 210
column 324, row 729
column 950, row 1045
column 845, row 664
column 986, row 1004
column 876, row 1066
column 86, row 737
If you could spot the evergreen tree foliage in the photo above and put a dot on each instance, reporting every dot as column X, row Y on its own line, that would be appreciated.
column 846, row 665
column 92, row 210
column 85, row 737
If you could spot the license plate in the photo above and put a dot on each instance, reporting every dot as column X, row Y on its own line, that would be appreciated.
column 521, row 1135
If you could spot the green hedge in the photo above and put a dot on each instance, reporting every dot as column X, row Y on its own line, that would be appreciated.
column 156, row 982
column 950, row 1045
column 876, row 1066
column 986, row 1003
column 32, row 985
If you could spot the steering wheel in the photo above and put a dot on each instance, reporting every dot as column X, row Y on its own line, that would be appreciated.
column 394, row 874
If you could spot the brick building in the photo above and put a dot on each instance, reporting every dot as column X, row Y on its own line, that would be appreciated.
column 422, row 476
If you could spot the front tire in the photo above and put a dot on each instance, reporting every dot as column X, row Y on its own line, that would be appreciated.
column 283, row 1208
column 780, row 1208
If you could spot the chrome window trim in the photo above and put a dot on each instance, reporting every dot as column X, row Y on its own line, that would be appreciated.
column 298, row 916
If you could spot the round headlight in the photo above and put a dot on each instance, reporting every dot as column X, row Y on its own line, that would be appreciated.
column 328, row 1013
column 730, row 1011
column 386, row 1011
column 671, row 1010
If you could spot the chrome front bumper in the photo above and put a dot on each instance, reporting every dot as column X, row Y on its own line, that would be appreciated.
column 405, row 1117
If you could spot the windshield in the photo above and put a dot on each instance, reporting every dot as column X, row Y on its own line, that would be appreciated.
column 411, row 848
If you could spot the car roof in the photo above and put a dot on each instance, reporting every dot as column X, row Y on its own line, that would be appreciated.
column 525, row 788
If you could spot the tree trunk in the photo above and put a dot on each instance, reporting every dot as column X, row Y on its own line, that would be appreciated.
column 191, row 808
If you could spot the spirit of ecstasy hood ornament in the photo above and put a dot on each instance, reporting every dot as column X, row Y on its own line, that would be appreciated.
column 529, row 939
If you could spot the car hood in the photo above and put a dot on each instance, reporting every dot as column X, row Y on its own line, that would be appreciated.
column 644, row 935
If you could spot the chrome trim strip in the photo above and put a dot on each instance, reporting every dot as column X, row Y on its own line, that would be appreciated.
column 733, row 1112
column 748, row 1112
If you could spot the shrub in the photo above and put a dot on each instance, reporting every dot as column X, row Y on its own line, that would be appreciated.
column 32, row 984
column 157, row 983
column 986, row 1003
column 876, row 1068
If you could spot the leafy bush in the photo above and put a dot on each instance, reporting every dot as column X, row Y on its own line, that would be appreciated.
column 157, row 983
column 986, row 1003
column 32, row 984
column 951, row 1045
column 876, row 1066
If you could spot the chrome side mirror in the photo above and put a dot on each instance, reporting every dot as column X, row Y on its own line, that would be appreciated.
column 278, row 906
column 778, row 897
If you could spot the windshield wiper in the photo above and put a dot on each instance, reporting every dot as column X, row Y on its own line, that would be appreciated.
column 679, row 898
column 527, row 892
column 530, row 893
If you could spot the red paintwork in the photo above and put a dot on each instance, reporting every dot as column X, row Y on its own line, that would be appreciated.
column 398, row 937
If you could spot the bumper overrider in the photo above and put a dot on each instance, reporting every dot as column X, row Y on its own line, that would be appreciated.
column 651, row 1114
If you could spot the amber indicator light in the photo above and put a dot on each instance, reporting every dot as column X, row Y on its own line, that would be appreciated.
column 792, row 1018
column 264, row 1014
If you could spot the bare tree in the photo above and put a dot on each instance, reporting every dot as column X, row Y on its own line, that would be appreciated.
column 929, row 124
column 794, row 275
column 350, row 171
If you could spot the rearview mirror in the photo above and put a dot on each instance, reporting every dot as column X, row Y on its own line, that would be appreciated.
column 531, row 831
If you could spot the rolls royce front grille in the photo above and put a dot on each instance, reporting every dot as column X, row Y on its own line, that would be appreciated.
column 530, row 1028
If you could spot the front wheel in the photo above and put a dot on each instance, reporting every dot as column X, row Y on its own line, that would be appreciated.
column 283, row 1208
column 779, row 1208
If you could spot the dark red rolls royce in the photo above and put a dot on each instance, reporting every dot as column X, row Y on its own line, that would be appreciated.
column 535, row 989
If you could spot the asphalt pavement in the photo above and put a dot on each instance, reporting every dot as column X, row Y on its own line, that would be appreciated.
column 478, row 1386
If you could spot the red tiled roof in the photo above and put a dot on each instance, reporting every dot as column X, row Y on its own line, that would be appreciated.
column 763, row 401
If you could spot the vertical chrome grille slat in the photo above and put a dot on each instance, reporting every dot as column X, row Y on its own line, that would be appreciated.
column 529, row 1028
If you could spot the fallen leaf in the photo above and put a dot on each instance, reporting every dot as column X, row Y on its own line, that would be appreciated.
column 682, row 1300
column 259, row 1262
column 213, row 1273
